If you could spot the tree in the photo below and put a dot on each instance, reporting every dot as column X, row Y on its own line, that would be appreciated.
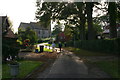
column 89, row 10
column 27, row 34
column 57, row 29
column 81, row 13
column 72, row 13
column 112, row 19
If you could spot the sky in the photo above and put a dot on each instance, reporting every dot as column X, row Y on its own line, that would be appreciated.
column 18, row 11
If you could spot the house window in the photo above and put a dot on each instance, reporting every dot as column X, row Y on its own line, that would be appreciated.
column 39, row 32
column 43, row 32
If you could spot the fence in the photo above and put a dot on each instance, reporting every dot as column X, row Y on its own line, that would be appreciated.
column 107, row 46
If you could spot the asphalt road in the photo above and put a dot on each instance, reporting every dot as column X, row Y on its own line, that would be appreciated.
column 70, row 66
column 66, row 66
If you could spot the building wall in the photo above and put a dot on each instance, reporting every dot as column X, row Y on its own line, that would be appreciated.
column 40, row 31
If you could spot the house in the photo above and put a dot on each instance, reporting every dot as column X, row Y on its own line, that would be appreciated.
column 10, row 34
column 106, row 31
column 62, row 37
column 5, row 30
column 10, row 47
column 42, row 32
column 4, row 24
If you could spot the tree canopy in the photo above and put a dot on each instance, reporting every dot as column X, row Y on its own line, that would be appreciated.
column 78, row 14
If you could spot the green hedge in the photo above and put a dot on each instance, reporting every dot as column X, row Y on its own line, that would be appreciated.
column 9, row 47
column 107, row 46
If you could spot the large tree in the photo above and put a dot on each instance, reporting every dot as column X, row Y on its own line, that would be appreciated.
column 89, row 10
column 72, row 13
column 112, row 19
column 56, row 30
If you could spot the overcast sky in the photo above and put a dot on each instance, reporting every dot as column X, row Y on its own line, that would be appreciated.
column 18, row 11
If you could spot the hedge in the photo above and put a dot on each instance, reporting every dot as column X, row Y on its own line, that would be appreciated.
column 107, row 46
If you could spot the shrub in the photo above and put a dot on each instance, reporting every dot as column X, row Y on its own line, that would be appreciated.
column 9, row 48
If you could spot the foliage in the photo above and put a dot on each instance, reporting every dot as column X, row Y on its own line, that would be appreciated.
column 112, row 19
column 68, row 31
column 77, row 14
column 9, row 48
column 57, row 29
column 98, row 29
column 28, row 34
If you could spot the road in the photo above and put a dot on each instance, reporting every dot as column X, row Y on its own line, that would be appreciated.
column 66, row 66
column 70, row 66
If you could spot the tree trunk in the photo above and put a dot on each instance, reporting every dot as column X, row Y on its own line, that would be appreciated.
column 91, row 32
column 112, row 19
column 82, row 27
column 82, row 21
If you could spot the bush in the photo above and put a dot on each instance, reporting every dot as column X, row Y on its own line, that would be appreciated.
column 108, row 46
column 9, row 48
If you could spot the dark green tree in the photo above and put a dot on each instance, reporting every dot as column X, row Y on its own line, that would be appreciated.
column 27, row 34
column 89, row 10
column 56, row 30
column 112, row 19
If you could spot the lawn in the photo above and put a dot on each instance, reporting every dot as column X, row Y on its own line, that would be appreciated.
column 110, row 67
column 25, row 68
column 82, row 52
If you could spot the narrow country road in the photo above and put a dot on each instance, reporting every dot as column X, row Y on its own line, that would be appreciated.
column 69, row 66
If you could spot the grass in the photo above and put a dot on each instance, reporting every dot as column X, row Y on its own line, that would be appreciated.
column 82, row 52
column 110, row 67
column 25, row 68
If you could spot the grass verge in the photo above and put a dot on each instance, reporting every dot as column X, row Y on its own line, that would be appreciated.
column 82, row 52
column 25, row 68
column 110, row 67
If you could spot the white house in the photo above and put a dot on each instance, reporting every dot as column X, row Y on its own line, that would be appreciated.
column 42, row 32
column 107, row 31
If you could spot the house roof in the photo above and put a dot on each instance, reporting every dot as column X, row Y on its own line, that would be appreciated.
column 4, row 23
column 36, row 25
column 10, row 34
column 24, row 25
column 33, row 25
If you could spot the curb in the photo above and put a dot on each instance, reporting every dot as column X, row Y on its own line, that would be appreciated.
column 40, row 69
